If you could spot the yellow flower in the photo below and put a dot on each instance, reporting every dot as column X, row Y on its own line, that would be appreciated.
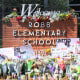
column 48, row 50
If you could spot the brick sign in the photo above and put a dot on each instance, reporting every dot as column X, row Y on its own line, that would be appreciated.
column 41, row 35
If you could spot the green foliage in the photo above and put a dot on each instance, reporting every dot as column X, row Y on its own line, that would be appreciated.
column 18, row 2
column 63, row 16
column 6, row 19
column 73, row 13
column 58, row 5
column 32, row 74
column 13, row 14
column 52, row 4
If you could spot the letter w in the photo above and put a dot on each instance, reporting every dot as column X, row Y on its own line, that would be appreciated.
column 29, row 9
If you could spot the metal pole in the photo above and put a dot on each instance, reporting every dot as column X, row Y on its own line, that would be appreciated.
column 67, row 2
column 2, row 8
column 45, row 3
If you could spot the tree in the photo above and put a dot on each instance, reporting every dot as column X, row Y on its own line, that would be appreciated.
column 61, row 5
column 8, row 5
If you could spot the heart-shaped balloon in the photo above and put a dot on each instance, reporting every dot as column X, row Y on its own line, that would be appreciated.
column 62, row 66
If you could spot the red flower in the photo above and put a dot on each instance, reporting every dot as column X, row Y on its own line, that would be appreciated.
column 66, row 56
column 41, row 18
column 67, row 59
column 29, row 17
column 71, row 59
column 19, row 18
column 71, row 52
column 47, row 17
column 78, row 53
column 38, row 20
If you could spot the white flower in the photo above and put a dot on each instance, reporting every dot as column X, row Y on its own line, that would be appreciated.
column 74, row 74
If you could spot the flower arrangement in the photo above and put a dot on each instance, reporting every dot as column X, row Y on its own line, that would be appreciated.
column 48, row 51
column 53, row 16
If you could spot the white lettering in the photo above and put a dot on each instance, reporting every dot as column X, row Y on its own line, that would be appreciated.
column 41, row 42
column 54, row 43
column 14, row 32
column 58, row 32
column 28, row 42
column 24, row 33
column 48, row 31
column 30, row 24
column 53, row 33
column 43, row 33
column 31, row 33
column 19, row 33
column 36, row 24
column 42, row 24
column 24, row 42
column 37, row 33
column 35, row 42
column 48, row 24
column 29, row 9
column 48, row 42
column 63, row 32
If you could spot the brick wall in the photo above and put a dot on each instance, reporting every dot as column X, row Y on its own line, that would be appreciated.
column 70, row 26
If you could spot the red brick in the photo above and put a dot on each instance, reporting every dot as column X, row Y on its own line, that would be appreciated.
column 10, row 41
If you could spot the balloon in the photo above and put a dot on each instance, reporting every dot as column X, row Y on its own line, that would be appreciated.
column 62, row 66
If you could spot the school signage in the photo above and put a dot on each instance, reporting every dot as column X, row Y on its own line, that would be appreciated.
column 40, row 34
